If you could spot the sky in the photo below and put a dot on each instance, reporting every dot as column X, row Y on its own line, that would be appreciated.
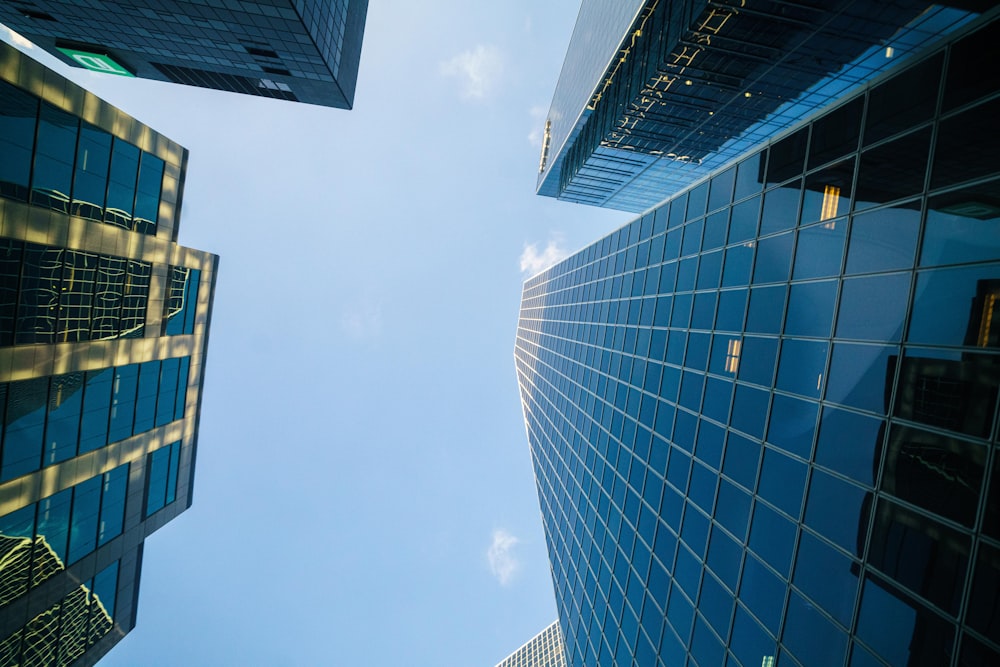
column 364, row 492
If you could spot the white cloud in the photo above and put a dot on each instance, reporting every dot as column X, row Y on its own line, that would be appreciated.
column 478, row 70
column 8, row 35
column 533, row 261
column 363, row 321
column 503, row 563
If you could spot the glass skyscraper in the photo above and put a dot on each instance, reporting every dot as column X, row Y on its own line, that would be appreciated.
column 103, row 332
column 763, row 414
column 299, row 50
column 544, row 650
column 656, row 94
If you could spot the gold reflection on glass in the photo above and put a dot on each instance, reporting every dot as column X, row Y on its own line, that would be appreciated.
column 831, row 199
column 889, row 52
column 767, row 661
column 985, row 324
column 733, row 356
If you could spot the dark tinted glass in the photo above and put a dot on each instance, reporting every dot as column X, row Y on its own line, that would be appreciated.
column 963, row 226
column 721, row 192
column 892, row 171
column 861, row 376
column 793, row 422
column 967, row 146
column 52, row 175
column 18, row 111
column 967, row 80
column 743, row 221
column 90, row 179
column 837, row 510
column 903, row 101
column 883, row 240
column 873, row 308
column 802, row 366
column 786, row 158
column 810, row 308
column 848, row 443
column 820, row 250
column 827, row 192
column 836, row 133
column 774, row 256
column 749, row 176
column 781, row 208
column 941, row 306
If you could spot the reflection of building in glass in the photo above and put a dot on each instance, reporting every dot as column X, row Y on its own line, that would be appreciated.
column 299, row 50
column 655, row 95
column 103, row 334
column 763, row 415
column 544, row 650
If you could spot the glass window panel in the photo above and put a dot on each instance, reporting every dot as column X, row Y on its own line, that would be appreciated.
column 52, row 174
column 749, row 642
column 121, row 183
column 802, row 366
column 147, row 196
column 167, row 392
column 106, row 588
column 24, row 425
column 687, row 271
column 156, row 485
column 885, row 239
column 721, row 192
column 697, row 201
column 115, row 485
column 837, row 510
column 941, row 307
column 941, row 474
column 692, row 237
column 743, row 223
column 874, row 307
column 899, row 629
column 749, row 410
column 706, row 648
column 828, row 192
column 96, row 409
column 697, row 351
column 691, row 387
column 53, row 521
column 739, row 260
column 781, row 208
column 967, row 80
column 732, row 305
column 77, row 297
column 963, row 226
column 109, row 295
column 848, row 443
column 774, row 257
column 861, row 376
column 18, row 116
column 38, row 303
column 123, row 402
column 952, row 390
column 892, row 171
column 793, row 422
column 709, row 270
column 782, row 481
column 718, row 396
column 786, row 158
column 982, row 613
column 83, row 528
column 682, row 311
column 724, row 557
column 836, row 133
column 749, row 176
column 827, row 577
column 755, row 359
column 716, row 226
column 63, row 424
column 810, row 637
column 694, row 530
column 11, row 252
column 172, row 470
column 136, row 298
column 90, row 179
column 810, row 309
column 766, row 310
column 903, row 101
column 966, row 146
column 703, row 311
column 820, row 250
column 763, row 593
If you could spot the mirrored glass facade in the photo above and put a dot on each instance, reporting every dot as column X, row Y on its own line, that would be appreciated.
column 642, row 111
column 103, row 334
column 763, row 415
column 544, row 650
column 298, row 50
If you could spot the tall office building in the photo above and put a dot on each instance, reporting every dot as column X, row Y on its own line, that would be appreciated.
column 103, row 332
column 656, row 94
column 763, row 415
column 299, row 50
column 544, row 650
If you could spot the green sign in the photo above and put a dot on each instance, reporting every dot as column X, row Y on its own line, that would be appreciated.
column 96, row 62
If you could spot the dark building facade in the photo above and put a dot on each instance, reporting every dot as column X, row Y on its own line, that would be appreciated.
column 763, row 415
column 655, row 95
column 299, row 50
column 103, row 333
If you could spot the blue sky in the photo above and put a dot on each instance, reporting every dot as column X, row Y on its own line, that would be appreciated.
column 364, row 493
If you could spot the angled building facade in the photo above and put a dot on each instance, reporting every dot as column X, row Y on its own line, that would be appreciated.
column 544, row 650
column 763, row 415
column 299, row 50
column 656, row 94
column 103, row 332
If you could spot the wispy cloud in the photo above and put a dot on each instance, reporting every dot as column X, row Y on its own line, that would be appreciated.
column 533, row 261
column 478, row 71
column 363, row 321
column 503, row 563
column 8, row 35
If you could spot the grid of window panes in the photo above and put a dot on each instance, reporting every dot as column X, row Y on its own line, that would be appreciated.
column 54, row 160
column 61, row 634
column 763, row 416
column 544, row 650
column 43, row 538
column 52, row 419
column 181, row 303
column 161, row 480
column 58, row 295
